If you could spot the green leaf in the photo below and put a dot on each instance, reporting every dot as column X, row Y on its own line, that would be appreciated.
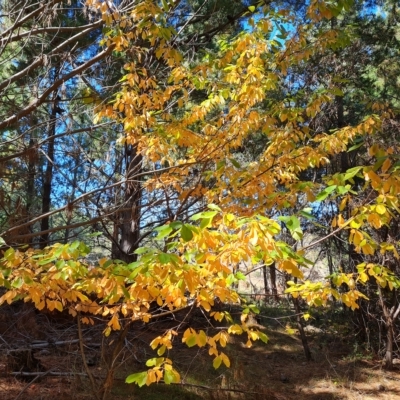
column 217, row 362
column 143, row 250
column 74, row 245
column 240, row 276
column 135, row 272
column 47, row 261
column 235, row 163
column 9, row 254
column 214, row 207
column 169, row 376
column 133, row 265
column 206, row 214
column 355, row 147
column 107, row 264
column 165, row 5
column 156, row 361
column 221, row 164
column 175, row 224
column 205, row 222
column 306, row 215
column 196, row 217
column 350, row 173
column 163, row 231
column 325, row 193
column 293, row 224
column 231, row 279
column 254, row 308
column 83, row 249
column 139, row 378
column 186, row 233
column 60, row 264
column 17, row 283
column 209, row 214
column 172, row 245
column 164, row 258
column 191, row 341
column 252, row 8
column 263, row 337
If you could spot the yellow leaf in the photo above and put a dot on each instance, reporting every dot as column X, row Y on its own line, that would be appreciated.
column 188, row 333
column 50, row 304
column 218, row 316
column 253, row 335
column 225, row 360
column 201, row 339
column 146, row 318
column 375, row 220
column 386, row 165
column 151, row 377
column 290, row 330
column 155, row 342
column 235, row 329
column 290, row 267
column 58, row 306
column 114, row 322
column 355, row 224
column 205, row 305
column 223, row 339
column 161, row 350
column 343, row 204
column 212, row 351
column 380, row 209
column 358, row 237
column 368, row 249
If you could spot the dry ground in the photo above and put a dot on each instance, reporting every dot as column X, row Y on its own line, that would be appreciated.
column 276, row 371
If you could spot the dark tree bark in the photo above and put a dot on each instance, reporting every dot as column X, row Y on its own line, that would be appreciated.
column 274, row 289
column 266, row 289
column 389, row 317
column 127, row 226
column 48, row 175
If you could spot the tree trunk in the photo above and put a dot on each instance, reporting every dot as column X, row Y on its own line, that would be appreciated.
column 71, row 198
column 389, row 316
column 300, row 327
column 48, row 176
column 266, row 289
column 127, row 227
column 30, row 184
column 272, row 274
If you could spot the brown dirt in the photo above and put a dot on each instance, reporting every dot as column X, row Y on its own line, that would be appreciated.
column 276, row 371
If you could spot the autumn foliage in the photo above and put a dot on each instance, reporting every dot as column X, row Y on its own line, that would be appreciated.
column 191, row 120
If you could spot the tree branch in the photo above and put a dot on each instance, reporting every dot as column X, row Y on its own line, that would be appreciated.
column 31, row 107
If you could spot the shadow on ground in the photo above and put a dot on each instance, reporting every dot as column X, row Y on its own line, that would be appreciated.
column 274, row 371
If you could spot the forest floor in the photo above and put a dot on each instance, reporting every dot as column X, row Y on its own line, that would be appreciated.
column 341, row 368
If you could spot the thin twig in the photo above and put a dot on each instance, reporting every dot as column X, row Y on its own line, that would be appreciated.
column 92, row 382
column 215, row 389
column 30, row 383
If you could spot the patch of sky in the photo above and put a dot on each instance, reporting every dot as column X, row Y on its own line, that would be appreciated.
column 280, row 31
